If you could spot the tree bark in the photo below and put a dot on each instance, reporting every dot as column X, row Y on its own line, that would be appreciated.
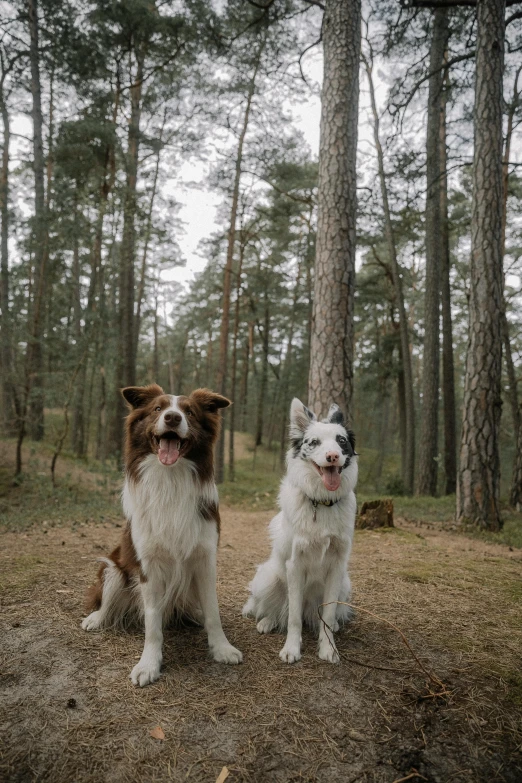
column 331, row 355
column 261, row 400
column 243, row 390
column 221, row 376
column 515, row 494
column 233, row 379
column 448, row 369
column 155, row 349
column 126, row 372
column 34, row 382
column 78, row 417
column 428, row 446
column 287, row 364
column 148, row 229
column 406, row 386
column 478, row 494
column 9, row 412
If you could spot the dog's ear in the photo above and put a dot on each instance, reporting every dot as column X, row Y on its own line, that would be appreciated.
column 335, row 415
column 210, row 401
column 351, row 438
column 138, row 396
column 300, row 418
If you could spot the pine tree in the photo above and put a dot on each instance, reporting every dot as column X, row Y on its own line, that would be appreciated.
column 478, row 496
column 332, row 346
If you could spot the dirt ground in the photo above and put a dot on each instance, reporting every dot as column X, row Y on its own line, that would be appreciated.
column 69, row 713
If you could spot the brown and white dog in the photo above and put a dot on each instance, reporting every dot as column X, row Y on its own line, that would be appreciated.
column 166, row 560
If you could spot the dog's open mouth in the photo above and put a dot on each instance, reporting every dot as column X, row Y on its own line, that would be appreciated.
column 170, row 447
column 330, row 476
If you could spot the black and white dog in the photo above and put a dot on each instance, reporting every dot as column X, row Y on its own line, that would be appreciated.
column 311, row 535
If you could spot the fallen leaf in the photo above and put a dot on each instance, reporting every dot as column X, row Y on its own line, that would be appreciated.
column 159, row 734
column 223, row 775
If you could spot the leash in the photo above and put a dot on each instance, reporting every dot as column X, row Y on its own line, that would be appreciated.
column 327, row 503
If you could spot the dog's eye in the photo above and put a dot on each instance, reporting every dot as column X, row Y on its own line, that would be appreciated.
column 342, row 441
column 158, row 408
column 312, row 442
column 188, row 412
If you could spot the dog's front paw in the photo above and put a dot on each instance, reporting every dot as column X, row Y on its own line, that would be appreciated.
column 290, row 653
column 145, row 672
column 226, row 653
column 265, row 625
column 249, row 608
column 92, row 622
column 328, row 651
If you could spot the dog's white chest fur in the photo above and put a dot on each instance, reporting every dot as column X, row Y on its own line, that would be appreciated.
column 163, row 507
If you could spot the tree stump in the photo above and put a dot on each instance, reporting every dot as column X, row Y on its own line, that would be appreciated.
column 375, row 513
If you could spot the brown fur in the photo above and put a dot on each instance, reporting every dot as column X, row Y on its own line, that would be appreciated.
column 124, row 556
column 202, row 411
column 210, row 511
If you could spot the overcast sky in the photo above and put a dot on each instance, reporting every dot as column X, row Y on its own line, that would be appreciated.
column 199, row 204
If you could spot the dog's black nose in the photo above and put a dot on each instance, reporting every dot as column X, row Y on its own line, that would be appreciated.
column 172, row 419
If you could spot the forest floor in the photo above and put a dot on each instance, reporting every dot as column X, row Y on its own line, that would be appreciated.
column 70, row 713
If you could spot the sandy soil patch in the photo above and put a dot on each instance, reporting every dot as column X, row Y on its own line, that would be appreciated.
column 70, row 713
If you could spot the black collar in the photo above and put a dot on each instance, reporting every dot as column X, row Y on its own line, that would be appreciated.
column 328, row 503
column 316, row 503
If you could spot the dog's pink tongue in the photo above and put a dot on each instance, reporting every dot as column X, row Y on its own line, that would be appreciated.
column 168, row 451
column 331, row 478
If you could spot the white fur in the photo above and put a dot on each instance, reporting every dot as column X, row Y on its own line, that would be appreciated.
column 177, row 550
column 182, row 428
column 310, row 552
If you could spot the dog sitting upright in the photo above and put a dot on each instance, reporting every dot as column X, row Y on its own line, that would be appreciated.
column 311, row 536
column 166, row 561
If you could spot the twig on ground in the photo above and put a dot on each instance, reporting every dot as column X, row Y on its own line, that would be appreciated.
column 431, row 676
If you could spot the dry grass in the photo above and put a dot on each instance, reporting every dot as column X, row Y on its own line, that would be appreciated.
column 70, row 713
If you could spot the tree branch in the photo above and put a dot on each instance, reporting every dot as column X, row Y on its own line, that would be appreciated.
column 426, row 77
column 315, row 43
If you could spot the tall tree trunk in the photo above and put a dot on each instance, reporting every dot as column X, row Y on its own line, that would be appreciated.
column 448, row 370
column 261, row 400
column 478, row 493
column 331, row 356
column 233, row 379
column 309, row 288
column 383, row 432
column 126, row 372
column 34, row 383
column 515, row 494
column 428, row 446
column 95, row 283
column 148, row 230
column 9, row 411
column 155, row 348
column 221, row 376
column 287, row 364
column 406, row 386
column 78, row 423
column 243, row 389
